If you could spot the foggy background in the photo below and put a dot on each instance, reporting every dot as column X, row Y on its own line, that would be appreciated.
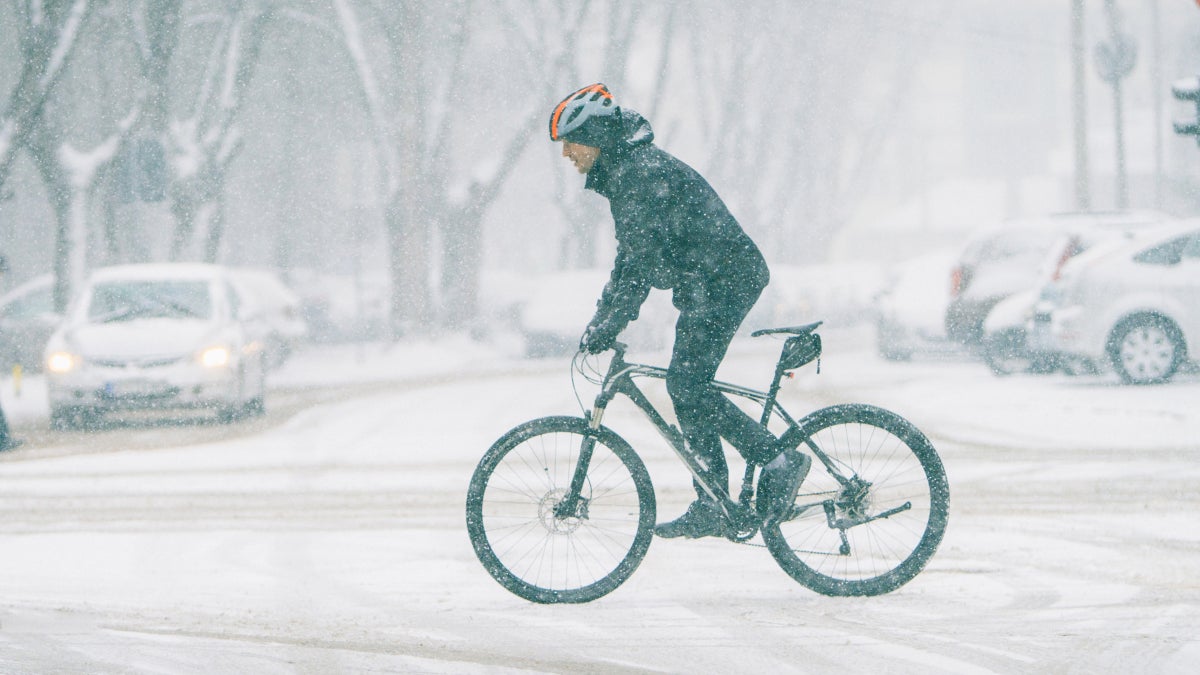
column 401, row 146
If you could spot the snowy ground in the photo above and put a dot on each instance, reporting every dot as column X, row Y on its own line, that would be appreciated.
column 329, row 537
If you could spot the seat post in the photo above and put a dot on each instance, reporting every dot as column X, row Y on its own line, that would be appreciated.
column 773, row 391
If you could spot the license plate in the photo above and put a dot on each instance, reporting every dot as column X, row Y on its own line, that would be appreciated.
column 133, row 388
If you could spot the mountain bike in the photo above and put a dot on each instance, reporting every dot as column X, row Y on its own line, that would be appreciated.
column 561, row 509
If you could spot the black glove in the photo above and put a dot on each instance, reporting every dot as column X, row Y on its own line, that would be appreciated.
column 597, row 338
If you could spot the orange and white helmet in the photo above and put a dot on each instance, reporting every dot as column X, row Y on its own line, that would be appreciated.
column 594, row 100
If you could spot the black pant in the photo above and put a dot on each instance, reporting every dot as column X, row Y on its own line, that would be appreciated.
column 708, row 320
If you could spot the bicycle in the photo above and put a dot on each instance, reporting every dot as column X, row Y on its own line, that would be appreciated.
column 561, row 509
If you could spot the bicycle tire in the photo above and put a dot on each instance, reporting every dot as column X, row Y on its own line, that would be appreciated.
column 900, row 467
column 542, row 557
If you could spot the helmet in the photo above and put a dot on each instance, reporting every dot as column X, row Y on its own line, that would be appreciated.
column 592, row 101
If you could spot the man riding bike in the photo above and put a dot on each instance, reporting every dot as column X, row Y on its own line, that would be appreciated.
column 674, row 232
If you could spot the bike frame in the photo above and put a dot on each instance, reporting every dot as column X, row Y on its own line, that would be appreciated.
column 619, row 381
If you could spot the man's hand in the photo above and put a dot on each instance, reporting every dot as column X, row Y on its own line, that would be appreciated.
column 596, row 339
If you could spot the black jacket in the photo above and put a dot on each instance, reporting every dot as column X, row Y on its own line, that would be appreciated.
column 673, row 231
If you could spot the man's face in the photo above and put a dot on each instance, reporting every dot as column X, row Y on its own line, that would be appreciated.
column 582, row 156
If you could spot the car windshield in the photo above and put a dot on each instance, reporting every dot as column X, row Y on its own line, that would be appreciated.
column 143, row 299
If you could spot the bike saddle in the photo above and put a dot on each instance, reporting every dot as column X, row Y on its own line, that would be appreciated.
column 790, row 330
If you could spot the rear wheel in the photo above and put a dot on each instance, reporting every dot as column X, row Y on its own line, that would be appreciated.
column 872, row 510
column 536, row 542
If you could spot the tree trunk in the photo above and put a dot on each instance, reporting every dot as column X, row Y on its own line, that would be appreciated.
column 462, row 257
column 408, row 245
column 46, row 49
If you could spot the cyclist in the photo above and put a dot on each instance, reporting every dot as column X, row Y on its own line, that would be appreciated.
column 674, row 232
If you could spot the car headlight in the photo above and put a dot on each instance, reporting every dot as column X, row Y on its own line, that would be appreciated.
column 62, row 362
column 215, row 357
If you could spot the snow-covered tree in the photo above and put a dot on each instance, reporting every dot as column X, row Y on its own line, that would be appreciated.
column 48, row 31
column 205, row 139
column 72, row 142
column 425, row 104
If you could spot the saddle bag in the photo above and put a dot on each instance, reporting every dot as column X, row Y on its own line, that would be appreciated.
column 800, row 350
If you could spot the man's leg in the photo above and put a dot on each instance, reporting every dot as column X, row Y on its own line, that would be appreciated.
column 702, row 338
column 700, row 345
column 697, row 353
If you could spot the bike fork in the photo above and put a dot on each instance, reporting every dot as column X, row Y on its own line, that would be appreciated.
column 573, row 504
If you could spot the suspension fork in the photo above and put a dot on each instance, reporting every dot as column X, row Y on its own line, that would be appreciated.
column 573, row 504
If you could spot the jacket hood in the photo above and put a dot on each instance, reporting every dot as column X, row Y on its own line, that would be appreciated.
column 631, row 130
column 620, row 132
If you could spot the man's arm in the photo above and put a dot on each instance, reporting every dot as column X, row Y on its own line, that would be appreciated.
column 619, row 304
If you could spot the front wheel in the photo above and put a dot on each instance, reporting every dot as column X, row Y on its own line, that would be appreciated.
column 1146, row 350
column 540, row 541
column 873, row 508
column 1007, row 353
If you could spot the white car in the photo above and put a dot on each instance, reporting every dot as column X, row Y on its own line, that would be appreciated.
column 998, row 262
column 1005, row 342
column 910, row 309
column 1133, row 305
column 155, row 336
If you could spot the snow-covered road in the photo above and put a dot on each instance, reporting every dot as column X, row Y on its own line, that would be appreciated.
column 331, row 539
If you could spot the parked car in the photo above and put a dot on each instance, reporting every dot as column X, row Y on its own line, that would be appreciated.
column 27, row 318
column 1000, row 262
column 272, row 311
column 1131, row 305
column 910, row 309
column 154, row 336
column 1005, row 344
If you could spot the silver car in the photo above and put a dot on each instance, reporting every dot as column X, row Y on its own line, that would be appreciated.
column 154, row 337
column 1130, row 305
column 1000, row 262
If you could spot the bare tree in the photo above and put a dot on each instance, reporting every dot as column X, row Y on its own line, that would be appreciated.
column 205, row 142
column 796, row 156
column 551, row 34
column 411, row 74
column 70, row 175
column 154, row 29
column 71, row 154
column 48, row 30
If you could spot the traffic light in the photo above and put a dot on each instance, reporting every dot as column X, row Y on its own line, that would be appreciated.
column 1188, row 89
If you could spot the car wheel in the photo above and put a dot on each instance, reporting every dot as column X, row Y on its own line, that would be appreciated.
column 69, row 418
column 256, row 406
column 1146, row 349
column 228, row 414
column 63, row 419
column 1006, row 352
column 235, row 408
